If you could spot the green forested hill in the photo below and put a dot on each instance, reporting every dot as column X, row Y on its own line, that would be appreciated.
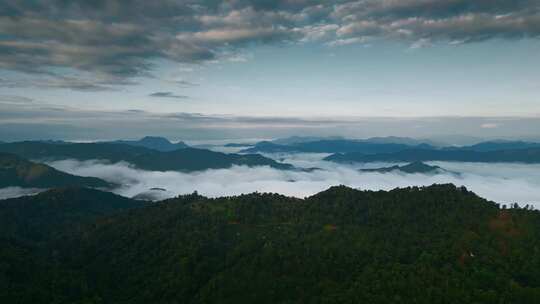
column 185, row 159
column 17, row 171
column 53, row 213
column 437, row 244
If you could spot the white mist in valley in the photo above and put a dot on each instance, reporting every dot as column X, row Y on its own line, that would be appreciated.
column 501, row 182
column 10, row 192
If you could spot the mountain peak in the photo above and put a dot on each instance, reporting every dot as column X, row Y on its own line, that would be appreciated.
column 155, row 143
column 155, row 139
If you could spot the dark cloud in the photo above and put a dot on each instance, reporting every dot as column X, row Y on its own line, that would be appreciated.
column 439, row 20
column 30, row 121
column 167, row 95
column 115, row 40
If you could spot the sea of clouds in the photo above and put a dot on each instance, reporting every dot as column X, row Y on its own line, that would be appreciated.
column 501, row 182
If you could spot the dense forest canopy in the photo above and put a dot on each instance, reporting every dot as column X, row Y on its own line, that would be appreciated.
column 437, row 244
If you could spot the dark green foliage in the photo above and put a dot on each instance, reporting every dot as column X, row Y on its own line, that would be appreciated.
column 186, row 159
column 39, row 217
column 437, row 244
column 16, row 171
column 35, row 230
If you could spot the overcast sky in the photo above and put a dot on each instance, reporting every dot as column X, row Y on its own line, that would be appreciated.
column 260, row 68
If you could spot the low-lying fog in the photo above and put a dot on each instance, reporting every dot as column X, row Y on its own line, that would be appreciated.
column 9, row 192
column 502, row 182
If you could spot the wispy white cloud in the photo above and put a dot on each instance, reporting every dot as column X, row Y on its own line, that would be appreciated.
column 10, row 192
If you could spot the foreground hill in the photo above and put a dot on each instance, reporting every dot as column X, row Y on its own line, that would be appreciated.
column 44, row 216
column 437, row 244
column 187, row 159
column 17, row 171
column 525, row 155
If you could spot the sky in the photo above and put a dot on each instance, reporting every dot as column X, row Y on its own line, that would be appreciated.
column 206, row 69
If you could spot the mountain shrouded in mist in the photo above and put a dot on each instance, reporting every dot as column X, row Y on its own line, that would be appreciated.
column 185, row 159
column 16, row 171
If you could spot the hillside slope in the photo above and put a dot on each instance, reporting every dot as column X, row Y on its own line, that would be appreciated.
column 16, row 171
column 411, row 245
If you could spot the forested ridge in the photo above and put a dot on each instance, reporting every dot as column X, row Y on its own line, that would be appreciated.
column 17, row 171
column 182, row 159
column 437, row 244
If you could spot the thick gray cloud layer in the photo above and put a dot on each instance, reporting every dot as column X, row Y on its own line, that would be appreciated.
column 503, row 183
column 110, row 42
column 23, row 119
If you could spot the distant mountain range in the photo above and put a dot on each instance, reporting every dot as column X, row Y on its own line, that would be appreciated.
column 330, row 146
column 525, row 155
column 302, row 139
column 157, row 153
column 497, row 145
column 154, row 142
column 18, row 172
column 402, row 140
column 398, row 149
column 151, row 142
column 411, row 168
column 376, row 145
column 187, row 159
